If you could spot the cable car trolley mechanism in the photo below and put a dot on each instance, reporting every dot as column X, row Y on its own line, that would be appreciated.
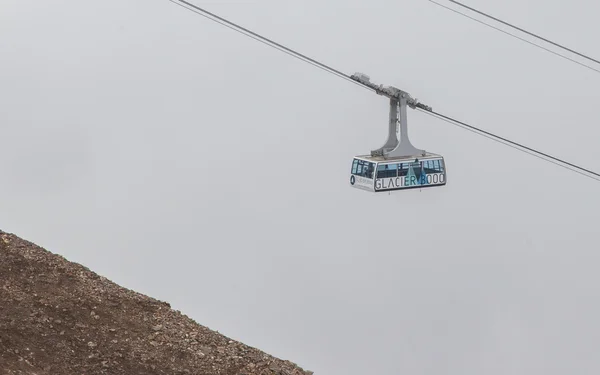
column 397, row 165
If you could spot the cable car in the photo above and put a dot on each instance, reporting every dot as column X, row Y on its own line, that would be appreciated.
column 377, row 174
column 397, row 165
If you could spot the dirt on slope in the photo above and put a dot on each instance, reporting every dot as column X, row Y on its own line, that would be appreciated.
column 59, row 318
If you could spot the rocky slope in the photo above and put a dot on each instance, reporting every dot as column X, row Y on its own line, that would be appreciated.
column 59, row 318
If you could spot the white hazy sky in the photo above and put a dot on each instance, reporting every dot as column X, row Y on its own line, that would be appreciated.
column 198, row 166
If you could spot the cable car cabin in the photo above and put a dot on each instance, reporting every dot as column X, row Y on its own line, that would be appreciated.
column 377, row 174
column 397, row 165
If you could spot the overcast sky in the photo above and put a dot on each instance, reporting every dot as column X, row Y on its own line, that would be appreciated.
column 183, row 160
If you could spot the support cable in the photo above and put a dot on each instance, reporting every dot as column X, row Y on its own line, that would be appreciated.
column 521, row 39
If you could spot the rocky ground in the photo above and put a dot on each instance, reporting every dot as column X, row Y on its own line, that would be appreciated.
column 59, row 318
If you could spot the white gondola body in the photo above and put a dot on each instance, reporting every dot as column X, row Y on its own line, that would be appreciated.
column 377, row 174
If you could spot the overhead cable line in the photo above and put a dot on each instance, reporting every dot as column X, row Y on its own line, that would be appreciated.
column 521, row 39
column 213, row 17
column 518, row 146
column 253, row 35
column 526, row 32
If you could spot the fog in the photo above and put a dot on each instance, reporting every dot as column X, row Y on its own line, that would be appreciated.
column 193, row 164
